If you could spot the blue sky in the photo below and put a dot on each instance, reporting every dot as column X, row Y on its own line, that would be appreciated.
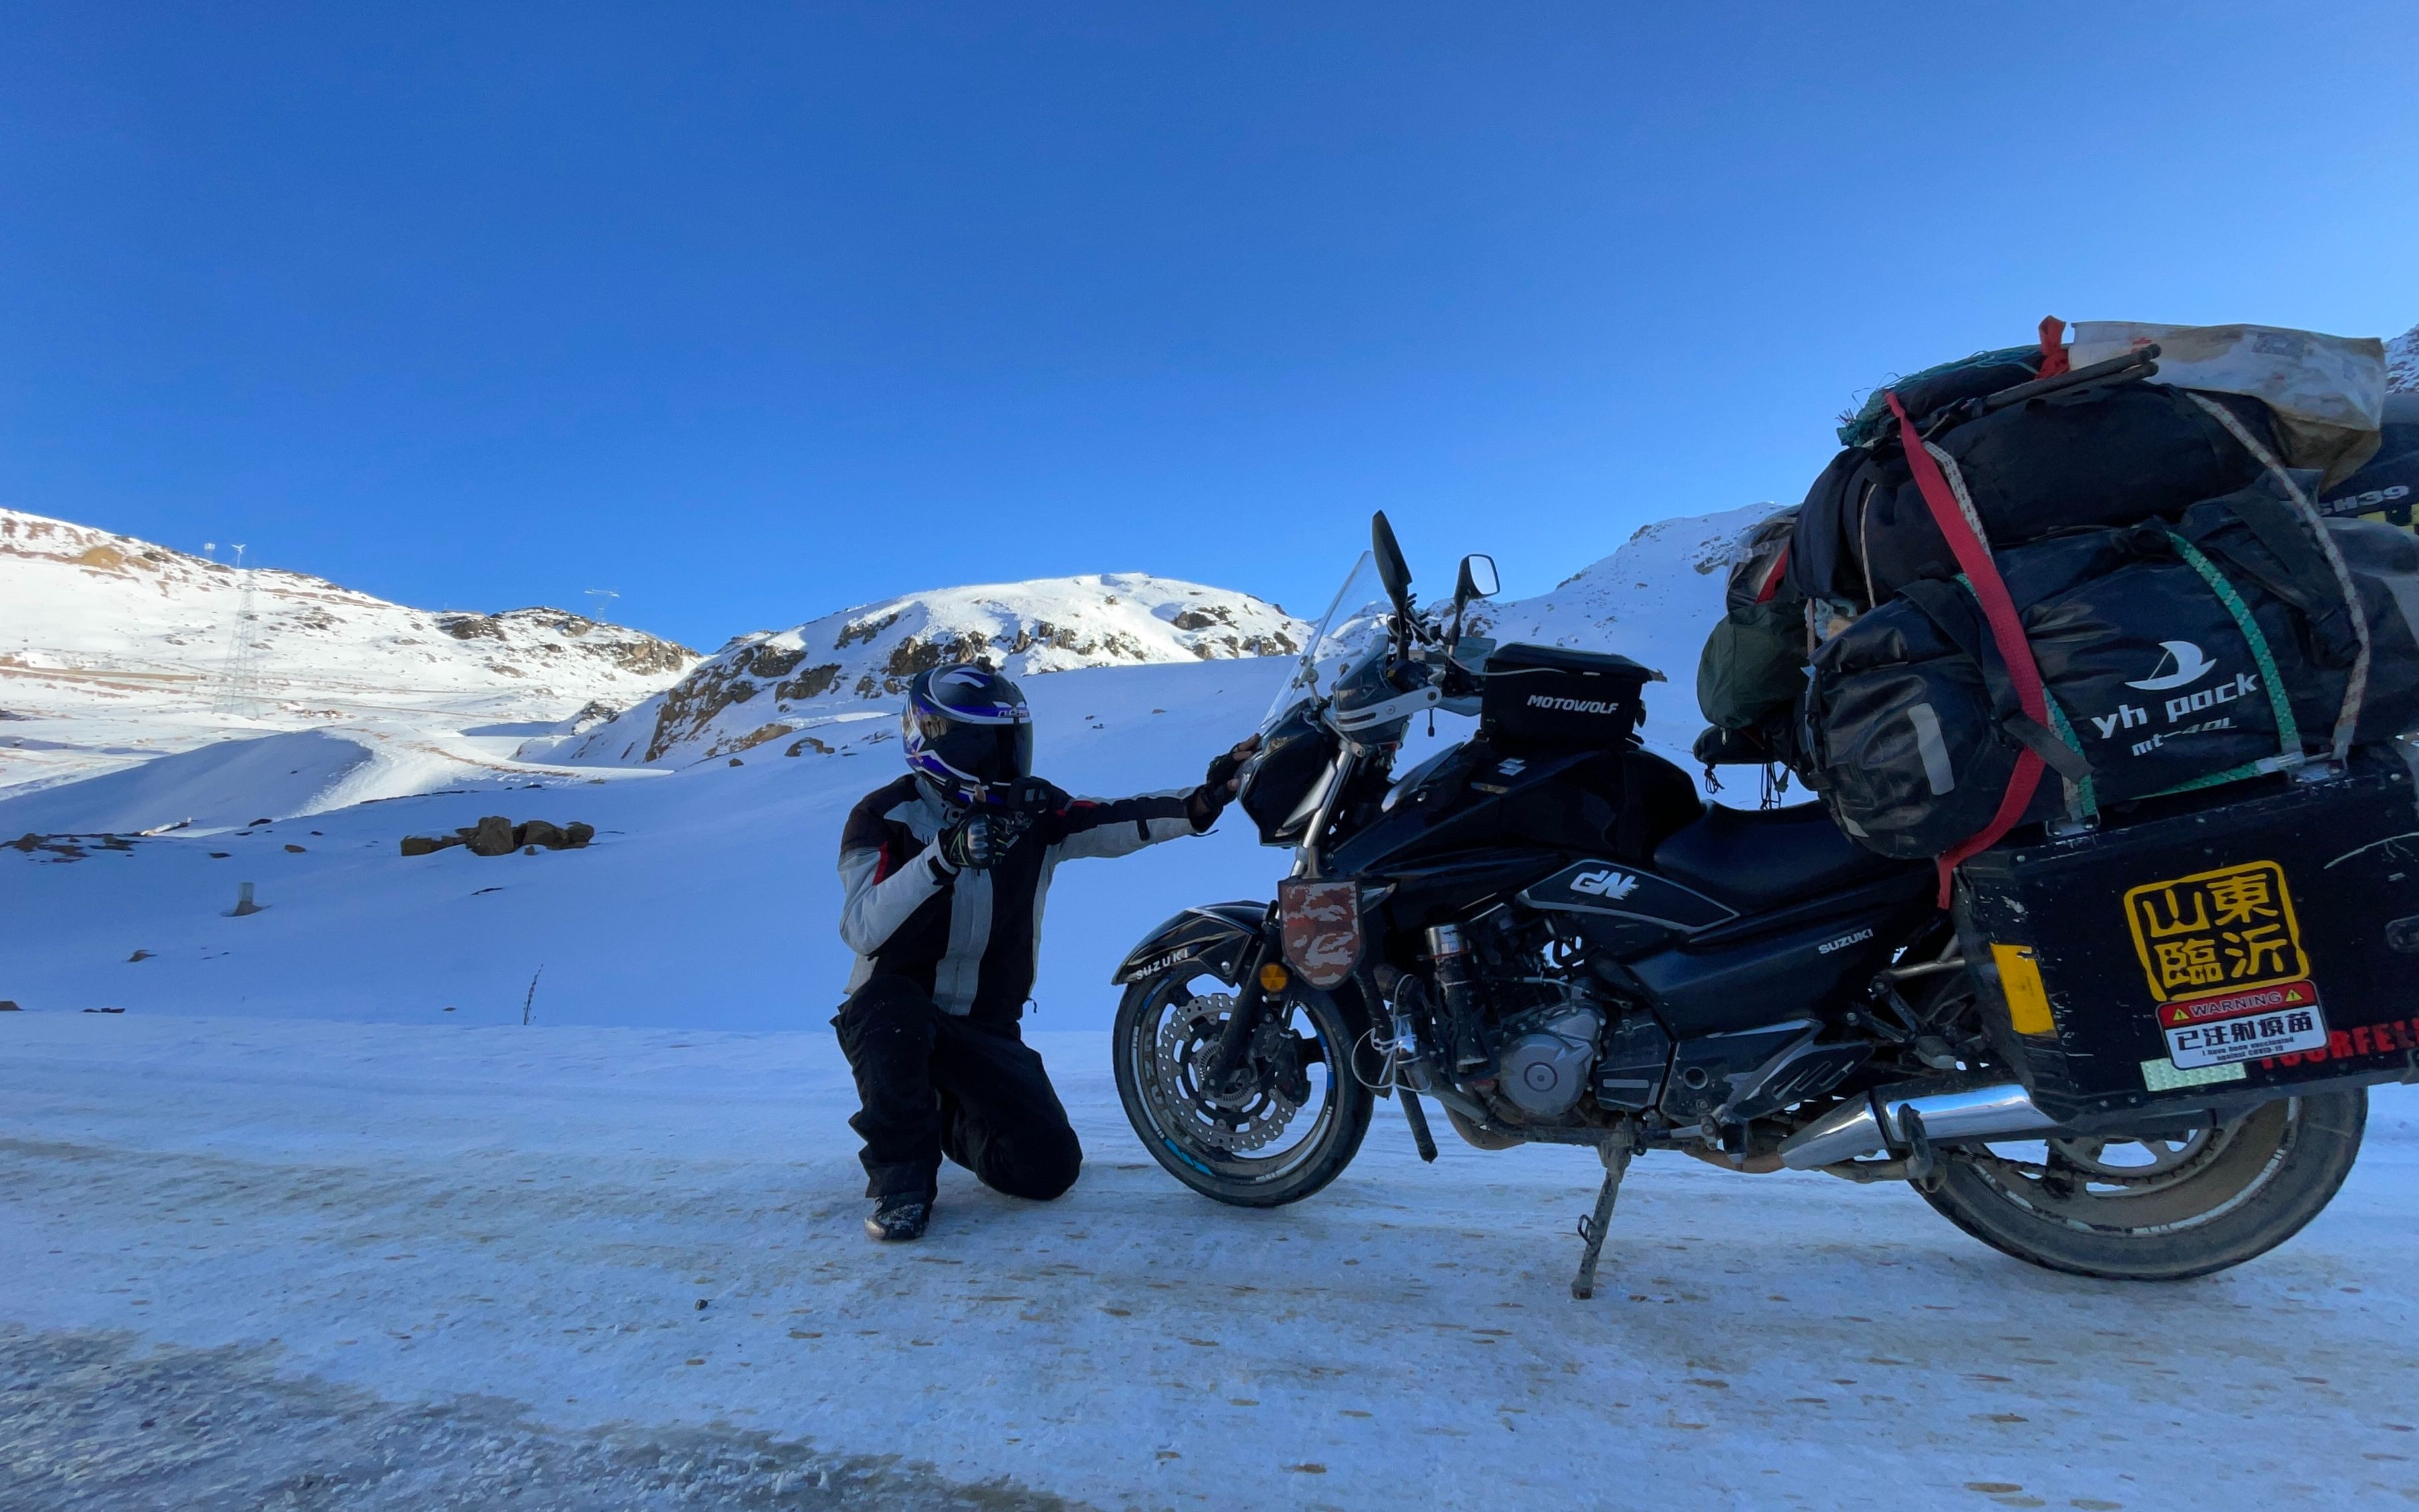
column 752, row 311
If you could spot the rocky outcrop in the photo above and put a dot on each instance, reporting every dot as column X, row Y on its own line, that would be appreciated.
column 496, row 834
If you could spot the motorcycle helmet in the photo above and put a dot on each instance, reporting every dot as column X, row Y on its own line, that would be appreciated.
column 968, row 732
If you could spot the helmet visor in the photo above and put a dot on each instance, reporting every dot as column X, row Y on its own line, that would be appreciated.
column 991, row 754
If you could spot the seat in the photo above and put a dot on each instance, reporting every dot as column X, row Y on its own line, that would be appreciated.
column 1756, row 860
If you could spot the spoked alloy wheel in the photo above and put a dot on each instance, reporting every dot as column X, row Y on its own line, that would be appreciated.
column 2159, row 1206
column 1280, row 1128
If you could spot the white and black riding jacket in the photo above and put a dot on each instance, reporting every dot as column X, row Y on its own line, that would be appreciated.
column 970, row 938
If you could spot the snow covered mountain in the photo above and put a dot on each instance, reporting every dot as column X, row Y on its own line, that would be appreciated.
column 89, row 611
column 2402, row 362
column 835, row 681
column 112, row 648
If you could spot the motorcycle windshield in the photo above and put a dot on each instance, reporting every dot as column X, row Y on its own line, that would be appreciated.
column 1356, row 620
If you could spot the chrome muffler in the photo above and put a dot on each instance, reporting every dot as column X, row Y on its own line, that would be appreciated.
column 1872, row 1125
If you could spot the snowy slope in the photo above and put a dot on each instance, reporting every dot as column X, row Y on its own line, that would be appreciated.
column 707, row 898
column 823, row 679
column 2402, row 362
column 113, row 649
column 1653, row 601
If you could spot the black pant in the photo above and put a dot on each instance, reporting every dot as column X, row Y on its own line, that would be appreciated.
column 934, row 1084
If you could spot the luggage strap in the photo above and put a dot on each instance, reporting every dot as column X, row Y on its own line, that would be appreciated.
column 2083, row 794
column 2289, row 731
column 2356, row 685
column 1961, row 527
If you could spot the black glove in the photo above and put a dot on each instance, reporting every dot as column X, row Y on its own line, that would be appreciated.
column 980, row 837
column 1218, row 787
column 1225, row 772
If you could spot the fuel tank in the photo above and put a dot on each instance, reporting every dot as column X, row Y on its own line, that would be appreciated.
column 1620, row 802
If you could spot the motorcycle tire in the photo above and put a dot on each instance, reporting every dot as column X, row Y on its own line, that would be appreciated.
column 1173, row 1120
column 2207, row 1199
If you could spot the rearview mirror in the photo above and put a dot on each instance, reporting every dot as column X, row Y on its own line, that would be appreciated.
column 1478, row 580
column 1392, row 570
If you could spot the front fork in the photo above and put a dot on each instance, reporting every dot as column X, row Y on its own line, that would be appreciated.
column 1250, row 1000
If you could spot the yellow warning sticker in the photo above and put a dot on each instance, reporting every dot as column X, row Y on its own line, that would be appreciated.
column 2216, row 931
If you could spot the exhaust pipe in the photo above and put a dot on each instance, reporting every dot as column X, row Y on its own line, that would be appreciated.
column 1871, row 1125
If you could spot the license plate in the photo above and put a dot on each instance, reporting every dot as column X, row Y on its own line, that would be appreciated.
column 2247, row 1025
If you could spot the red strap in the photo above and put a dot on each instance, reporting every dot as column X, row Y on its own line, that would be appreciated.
column 2053, row 339
column 2007, row 631
column 1772, row 578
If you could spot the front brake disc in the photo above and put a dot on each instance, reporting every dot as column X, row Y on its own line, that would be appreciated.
column 1237, row 1121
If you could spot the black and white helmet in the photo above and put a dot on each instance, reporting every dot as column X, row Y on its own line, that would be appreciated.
column 967, row 732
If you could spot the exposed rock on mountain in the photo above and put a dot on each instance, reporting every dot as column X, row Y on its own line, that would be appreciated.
column 849, row 668
column 2402, row 362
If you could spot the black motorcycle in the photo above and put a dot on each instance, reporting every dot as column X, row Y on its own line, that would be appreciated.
column 1543, row 930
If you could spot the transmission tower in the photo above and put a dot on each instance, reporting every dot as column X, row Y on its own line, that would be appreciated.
column 240, row 682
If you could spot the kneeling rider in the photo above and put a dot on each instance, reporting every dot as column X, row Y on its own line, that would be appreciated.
column 946, row 870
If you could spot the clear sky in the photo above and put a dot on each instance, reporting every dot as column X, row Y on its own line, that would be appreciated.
column 751, row 311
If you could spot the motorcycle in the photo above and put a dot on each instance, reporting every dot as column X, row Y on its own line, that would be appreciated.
column 1543, row 930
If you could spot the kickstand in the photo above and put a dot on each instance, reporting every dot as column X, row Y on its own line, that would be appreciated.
column 1615, row 1152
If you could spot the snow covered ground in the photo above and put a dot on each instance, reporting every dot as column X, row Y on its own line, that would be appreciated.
column 707, row 899
column 647, row 1238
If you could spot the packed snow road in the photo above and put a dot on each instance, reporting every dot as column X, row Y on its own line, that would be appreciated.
column 598, row 1267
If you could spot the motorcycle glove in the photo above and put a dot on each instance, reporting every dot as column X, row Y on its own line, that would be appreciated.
column 1219, row 785
column 977, row 840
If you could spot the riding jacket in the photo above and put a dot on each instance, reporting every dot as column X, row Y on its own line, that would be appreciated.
column 971, row 938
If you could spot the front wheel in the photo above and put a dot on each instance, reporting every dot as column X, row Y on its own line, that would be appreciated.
column 1283, row 1126
column 2158, row 1208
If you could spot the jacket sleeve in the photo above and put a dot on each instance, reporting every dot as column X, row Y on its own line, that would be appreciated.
column 877, row 898
column 1119, row 826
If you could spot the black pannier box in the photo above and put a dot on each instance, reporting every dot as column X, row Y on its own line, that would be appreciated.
column 2268, row 937
column 1550, row 696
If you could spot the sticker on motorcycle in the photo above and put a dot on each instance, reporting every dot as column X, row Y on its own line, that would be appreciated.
column 1602, row 888
column 1322, row 930
column 2213, row 932
column 2246, row 1025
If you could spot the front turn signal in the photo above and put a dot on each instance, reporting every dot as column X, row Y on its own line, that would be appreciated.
column 1273, row 978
